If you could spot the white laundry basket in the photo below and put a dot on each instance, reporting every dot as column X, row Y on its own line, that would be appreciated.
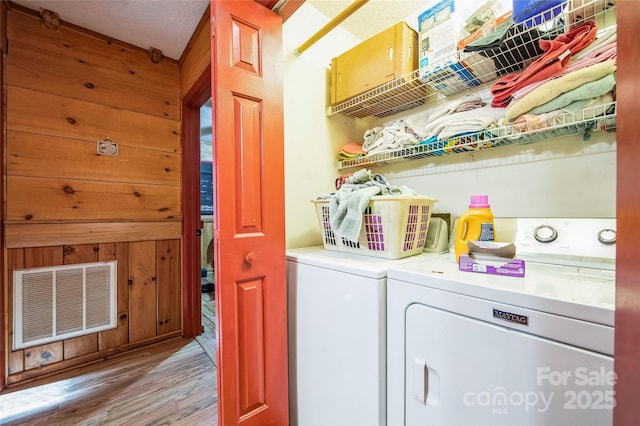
column 393, row 227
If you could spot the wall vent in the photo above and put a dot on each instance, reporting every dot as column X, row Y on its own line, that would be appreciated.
column 55, row 303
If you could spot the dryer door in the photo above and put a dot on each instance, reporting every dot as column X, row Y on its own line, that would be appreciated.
column 462, row 371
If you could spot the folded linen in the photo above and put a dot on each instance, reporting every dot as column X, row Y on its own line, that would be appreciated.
column 584, row 93
column 554, row 88
column 350, row 151
column 603, row 53
column 530, row 122
column 474, row 120
column 556, row 57
column 459, row 105
column 395, row 136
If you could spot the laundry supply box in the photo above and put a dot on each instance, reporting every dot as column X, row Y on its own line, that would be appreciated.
column 495, row 258
column 440, row 29
column 440, row 66
column 393, row 226
column 388, row 55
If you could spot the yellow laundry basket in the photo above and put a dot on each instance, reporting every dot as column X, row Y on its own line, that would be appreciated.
column 393, row 227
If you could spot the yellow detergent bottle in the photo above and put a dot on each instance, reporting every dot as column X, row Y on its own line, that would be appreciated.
column 476, row 224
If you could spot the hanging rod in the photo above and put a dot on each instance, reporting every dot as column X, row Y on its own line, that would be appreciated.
column 337, row 20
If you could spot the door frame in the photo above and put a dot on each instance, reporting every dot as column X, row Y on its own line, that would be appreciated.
column 197, row 95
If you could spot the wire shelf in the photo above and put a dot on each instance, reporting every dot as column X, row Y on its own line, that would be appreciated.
column 589, row 120
column 467, row 70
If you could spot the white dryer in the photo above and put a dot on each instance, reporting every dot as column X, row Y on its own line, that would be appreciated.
column 474, row 349
column 337, row 336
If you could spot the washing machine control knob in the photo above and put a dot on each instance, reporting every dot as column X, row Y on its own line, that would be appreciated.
column 545, row 234
column 607, row 236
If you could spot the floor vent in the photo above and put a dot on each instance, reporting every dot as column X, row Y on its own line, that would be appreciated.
column 55, row 303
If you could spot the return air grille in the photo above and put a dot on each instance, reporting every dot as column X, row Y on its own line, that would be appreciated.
column 60, row 302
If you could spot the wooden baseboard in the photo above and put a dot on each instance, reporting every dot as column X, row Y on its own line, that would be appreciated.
column 70, row 364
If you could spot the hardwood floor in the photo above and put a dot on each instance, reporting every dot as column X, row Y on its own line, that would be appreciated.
column 171, row 383
column 208, row 337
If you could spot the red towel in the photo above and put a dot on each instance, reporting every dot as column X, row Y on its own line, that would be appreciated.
column 554, row 60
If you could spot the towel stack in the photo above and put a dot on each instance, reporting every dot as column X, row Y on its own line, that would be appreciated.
column 350, row 151
column 577, row 70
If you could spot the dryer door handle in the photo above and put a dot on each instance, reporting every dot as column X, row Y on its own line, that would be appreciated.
column 426, row 383
column 420, row 380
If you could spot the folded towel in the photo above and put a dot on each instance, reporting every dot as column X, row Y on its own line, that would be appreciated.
column 556, row 57
column 530, row 122
column 603, row 53
column 554, row 88
column 350, row 151
column 584, row 93
column 459, row 105
column 464, row 122
column 395, row 136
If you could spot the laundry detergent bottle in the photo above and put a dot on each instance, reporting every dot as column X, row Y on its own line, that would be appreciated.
column 476, row 224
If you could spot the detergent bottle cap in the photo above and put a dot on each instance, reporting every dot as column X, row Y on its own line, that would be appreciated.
column 479, row 202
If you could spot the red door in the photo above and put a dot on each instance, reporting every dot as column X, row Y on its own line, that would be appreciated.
column 250, row 235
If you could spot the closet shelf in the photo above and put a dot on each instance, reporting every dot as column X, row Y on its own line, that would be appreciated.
column 592, row 119
column 468, row 71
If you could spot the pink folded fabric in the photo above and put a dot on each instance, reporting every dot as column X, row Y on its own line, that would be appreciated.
column 556, row 57
column 601, row 54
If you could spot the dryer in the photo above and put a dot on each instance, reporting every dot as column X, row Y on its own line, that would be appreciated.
column 468, row 348
column 337, row 336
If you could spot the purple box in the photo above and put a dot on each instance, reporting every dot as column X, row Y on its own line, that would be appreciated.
column 489, row 257
column 513, row 268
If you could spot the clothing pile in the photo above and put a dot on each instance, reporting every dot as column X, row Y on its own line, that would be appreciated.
column 348, row 203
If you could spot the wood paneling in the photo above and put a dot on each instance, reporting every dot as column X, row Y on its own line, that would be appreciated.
column 15, row 260
column 142, row 290
column 82, row 46
column 119, row 336
column 56, row 234
column 42, row 355
column 197, row 55
column 34, row 155
column 35, row 257
column 76, row 200
column 168, row 282
column 74, row 363
column 66, row 204
column 84, row 253
column 40, row 70
column 151, row 275
column 79, row 346
column 76, row 119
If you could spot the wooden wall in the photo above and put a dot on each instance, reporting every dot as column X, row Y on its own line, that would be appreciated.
column 65, row 203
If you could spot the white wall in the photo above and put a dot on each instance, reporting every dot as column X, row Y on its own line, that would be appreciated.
column 563, row 177
column 312, row 140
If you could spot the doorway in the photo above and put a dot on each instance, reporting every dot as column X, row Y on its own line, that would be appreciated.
column 207, row 339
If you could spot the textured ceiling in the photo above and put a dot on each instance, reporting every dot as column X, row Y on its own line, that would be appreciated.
column 375, row 16
column 168, row 24
column 164, row 24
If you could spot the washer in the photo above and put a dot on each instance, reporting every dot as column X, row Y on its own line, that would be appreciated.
column 337, row 336
column 474, row 349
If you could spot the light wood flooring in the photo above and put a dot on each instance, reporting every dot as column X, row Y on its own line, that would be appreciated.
column 208, row 337
column 171, row 383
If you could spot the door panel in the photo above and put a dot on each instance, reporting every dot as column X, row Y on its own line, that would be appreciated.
column 249, row 228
